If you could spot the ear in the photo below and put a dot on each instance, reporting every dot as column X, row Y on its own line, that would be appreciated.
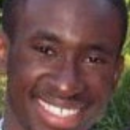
column 119, row 70
column 3, row 52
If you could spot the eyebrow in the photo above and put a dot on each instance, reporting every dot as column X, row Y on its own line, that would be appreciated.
column 101, row 47
column 46, row 35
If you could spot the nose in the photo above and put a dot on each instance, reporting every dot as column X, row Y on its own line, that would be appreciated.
column 68, row 82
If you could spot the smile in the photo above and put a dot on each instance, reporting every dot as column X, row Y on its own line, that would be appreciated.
column 58, row 111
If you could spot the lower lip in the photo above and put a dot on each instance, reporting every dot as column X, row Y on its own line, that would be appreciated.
column 53, row 120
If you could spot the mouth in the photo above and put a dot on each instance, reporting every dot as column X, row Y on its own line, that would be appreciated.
column 58, row 111
column 62, row 108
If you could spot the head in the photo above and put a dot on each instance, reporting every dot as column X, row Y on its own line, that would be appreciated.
column 63, row 61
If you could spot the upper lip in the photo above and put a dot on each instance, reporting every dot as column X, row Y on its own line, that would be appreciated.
column 61, row 102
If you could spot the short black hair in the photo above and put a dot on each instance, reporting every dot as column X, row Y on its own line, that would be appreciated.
column 121, row 6
column 12, row 10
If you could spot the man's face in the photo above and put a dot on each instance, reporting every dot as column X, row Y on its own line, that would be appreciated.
column 64, row 63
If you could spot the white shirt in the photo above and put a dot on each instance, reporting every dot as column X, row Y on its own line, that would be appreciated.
column 1, row 123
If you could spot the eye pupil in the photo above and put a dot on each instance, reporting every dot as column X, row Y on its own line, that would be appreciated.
column 94, row 59
column 46, row 50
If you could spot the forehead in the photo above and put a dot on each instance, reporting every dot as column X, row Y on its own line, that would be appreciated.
column 72, row 18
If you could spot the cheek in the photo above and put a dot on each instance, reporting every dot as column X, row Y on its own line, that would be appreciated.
column 100, row 85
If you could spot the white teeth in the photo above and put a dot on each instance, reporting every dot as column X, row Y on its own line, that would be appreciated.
column 62, row 112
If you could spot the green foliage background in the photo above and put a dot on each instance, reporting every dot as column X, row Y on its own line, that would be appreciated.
column 118, row 113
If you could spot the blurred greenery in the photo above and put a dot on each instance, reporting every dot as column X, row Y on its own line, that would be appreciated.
column 118, row 113
column 3, row 81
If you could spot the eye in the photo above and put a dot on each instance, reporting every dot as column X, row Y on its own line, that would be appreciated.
column 44, row 47
column 46, row 50
column 94, row 59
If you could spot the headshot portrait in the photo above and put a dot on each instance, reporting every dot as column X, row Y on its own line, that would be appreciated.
column 63, row 61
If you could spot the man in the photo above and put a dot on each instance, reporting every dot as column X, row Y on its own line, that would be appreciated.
column 64, row 60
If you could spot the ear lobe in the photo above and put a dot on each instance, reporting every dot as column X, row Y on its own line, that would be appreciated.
column 3, row 53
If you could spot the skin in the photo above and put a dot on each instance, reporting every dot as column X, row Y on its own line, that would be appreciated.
column 65, row 54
